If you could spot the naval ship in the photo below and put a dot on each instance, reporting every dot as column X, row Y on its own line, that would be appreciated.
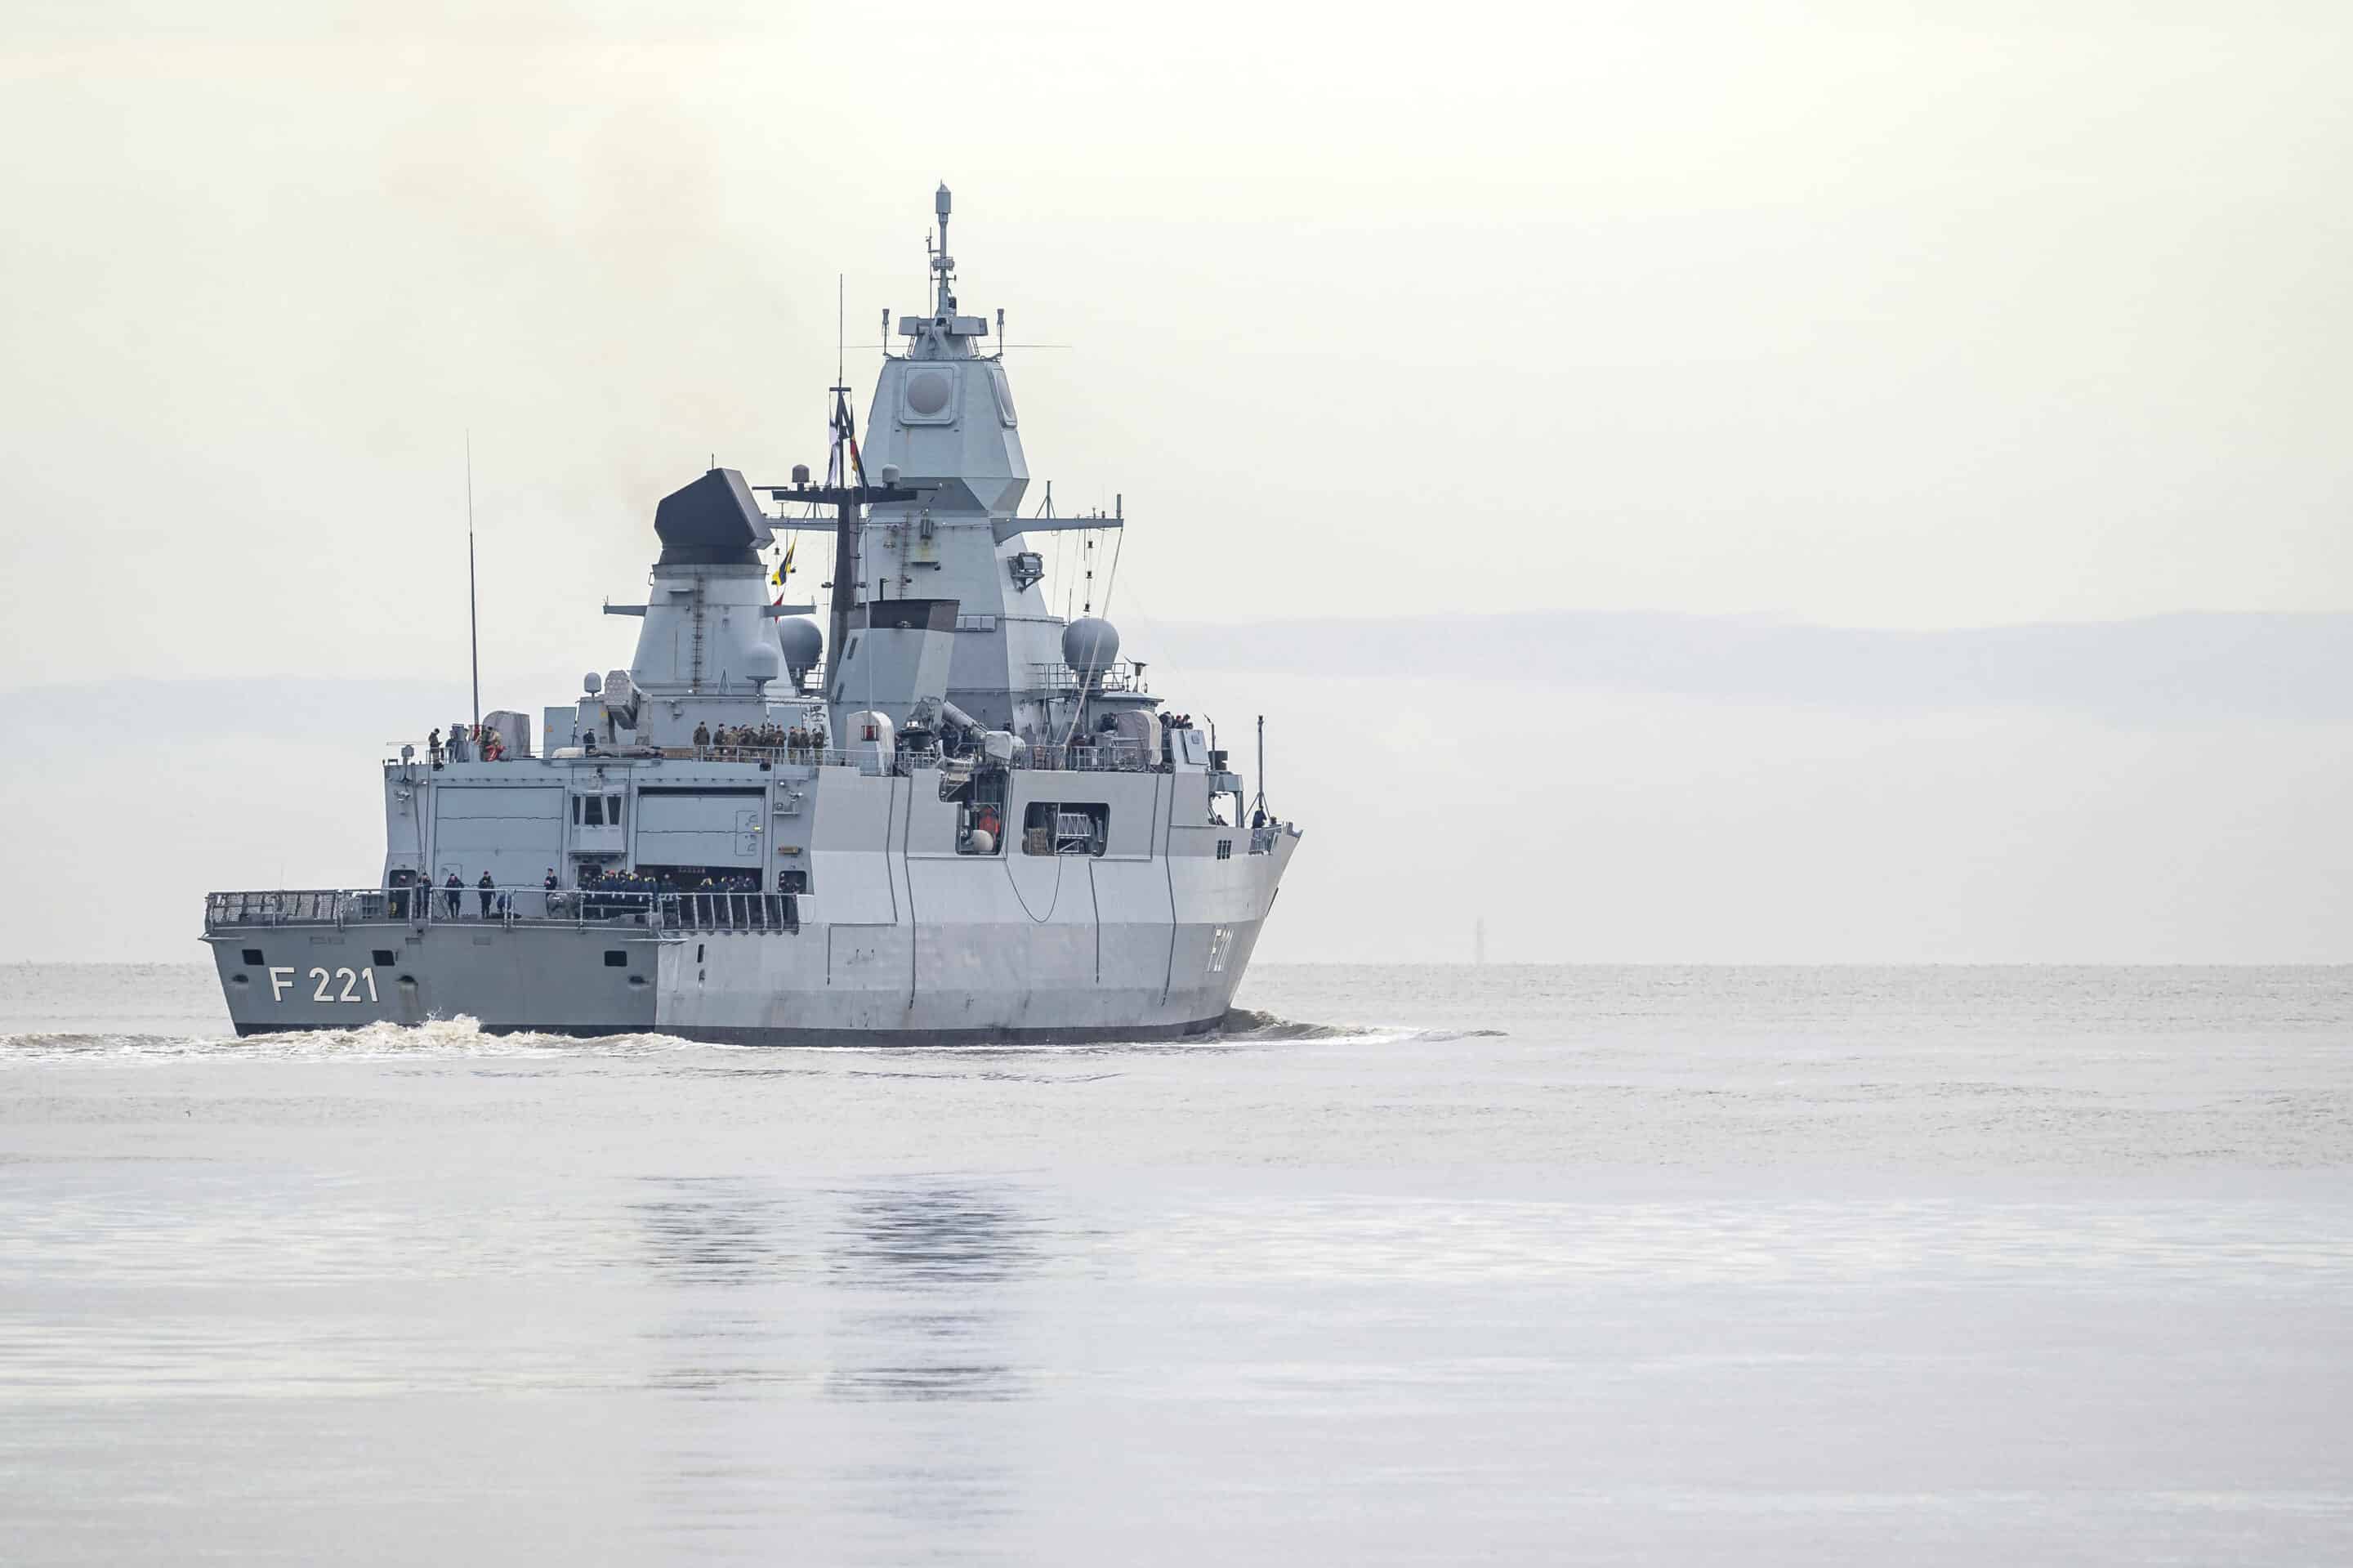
column 948, row 816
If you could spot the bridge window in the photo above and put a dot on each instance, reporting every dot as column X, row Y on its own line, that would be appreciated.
column 1050, row 827
column 597, row 810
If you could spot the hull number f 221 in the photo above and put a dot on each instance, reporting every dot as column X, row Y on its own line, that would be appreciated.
column 281, row 981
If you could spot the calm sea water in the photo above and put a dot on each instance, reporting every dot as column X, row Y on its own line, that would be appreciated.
column 1429, row 1265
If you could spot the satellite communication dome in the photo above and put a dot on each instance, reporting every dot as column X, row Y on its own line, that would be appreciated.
column 802, row 643
column 763, row 663
column 593, row 683
column 1090, row 646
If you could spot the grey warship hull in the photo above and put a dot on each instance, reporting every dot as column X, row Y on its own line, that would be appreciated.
column 1146, row 941
column 970, row 822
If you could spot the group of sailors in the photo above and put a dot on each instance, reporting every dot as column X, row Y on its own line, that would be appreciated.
column 453, row 895
column 602, row 895
column 466, row 743
column 731, row 743
column 605, row 894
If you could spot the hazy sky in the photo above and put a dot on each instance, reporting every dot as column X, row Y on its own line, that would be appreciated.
column 1866, row 314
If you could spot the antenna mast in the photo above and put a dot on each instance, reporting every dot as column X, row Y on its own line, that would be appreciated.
column 473, row 604
column 942, row 264
column 1258, row 807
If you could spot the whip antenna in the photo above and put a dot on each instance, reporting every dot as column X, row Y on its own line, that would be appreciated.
column 473, row 606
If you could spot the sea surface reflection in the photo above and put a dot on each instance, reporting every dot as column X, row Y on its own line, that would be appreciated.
column 1937, row 1268
column 925, row 1270
column 899, row 1293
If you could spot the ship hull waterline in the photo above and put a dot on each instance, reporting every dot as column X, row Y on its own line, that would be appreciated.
column 818, row 986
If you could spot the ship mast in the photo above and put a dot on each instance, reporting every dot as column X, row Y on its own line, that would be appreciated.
column 846, row 488
column 846, row 468
column 846, row 491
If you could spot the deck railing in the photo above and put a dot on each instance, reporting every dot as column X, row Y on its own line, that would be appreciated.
column 281, row 907
column 1103, row 755
column 697, row 909
column 1098, row 756
column 1121, row 676
column 700, row 911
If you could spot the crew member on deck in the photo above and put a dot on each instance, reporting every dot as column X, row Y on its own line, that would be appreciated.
column 453, row 891
column 488, row 887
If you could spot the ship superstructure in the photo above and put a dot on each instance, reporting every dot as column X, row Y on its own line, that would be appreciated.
column 948, row 814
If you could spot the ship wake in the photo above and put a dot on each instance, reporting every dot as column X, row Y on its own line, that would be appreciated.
column 1243, row 1024
column 1248, row 1025
column 462, row 1037
column 381, row 1041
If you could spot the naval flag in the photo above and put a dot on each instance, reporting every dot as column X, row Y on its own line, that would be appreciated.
column 783, row 569
column 845, row 438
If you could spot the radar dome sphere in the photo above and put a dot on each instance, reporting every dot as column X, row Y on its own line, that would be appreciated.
column 1090, row 646
column 801, row 641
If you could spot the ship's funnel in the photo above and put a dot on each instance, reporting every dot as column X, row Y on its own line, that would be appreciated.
column 713, row 522
column 706, row 619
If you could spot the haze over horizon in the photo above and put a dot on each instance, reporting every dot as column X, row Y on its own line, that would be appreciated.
column 1613, row 491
